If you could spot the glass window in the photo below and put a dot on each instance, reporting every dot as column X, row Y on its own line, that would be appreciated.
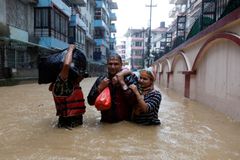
column 59, row 23
column 11, row 58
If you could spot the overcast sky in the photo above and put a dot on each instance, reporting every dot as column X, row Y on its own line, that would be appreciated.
column 135, row 14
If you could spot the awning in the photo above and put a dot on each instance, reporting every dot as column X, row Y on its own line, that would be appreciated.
column 25, row 43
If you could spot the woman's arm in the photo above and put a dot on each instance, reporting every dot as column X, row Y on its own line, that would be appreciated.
column 142, row 105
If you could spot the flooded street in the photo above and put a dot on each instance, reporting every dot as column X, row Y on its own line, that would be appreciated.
column 189, row 131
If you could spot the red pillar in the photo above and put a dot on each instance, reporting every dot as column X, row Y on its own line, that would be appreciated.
column 168, row 78
column 187, row 86
column 187, row 82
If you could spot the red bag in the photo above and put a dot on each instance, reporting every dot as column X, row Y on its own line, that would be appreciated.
column 103, row 101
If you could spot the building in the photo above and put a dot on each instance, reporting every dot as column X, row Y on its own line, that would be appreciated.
column 31, row 28
column 203, row 59
column 158, row 37
column 104, row 29
column 192, row 16
column 121, row 50
column 19, row 47
column 135, row 44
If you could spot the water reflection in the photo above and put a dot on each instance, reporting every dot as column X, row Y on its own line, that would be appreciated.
column 188, row 131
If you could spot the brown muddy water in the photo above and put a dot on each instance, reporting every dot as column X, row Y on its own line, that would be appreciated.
column 189, row 131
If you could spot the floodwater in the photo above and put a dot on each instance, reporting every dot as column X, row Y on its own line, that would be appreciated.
column 189, row 131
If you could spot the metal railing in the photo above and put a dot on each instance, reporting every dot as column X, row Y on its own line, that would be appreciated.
column 198, row 19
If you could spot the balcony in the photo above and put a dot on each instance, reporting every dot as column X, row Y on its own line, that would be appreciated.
column 77, row 21
column 101, row 42
column 70, row 3
column 172, row 13
column 59, row 4
column 113, row 28
column 113, row 5
column 112, row 40
column 178, row 1
column 137, row 47
column 137, row 57
column 30, row 1
column 18, row 34
column 113, row 17
column 51, row 42
column 81, row 3
column 137, row 38
column 101, row 24
column 100, row 4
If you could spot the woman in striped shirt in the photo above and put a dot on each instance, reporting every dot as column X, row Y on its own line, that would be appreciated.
column 146, row 112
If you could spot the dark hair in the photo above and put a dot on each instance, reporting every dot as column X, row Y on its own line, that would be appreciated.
column 115, row 56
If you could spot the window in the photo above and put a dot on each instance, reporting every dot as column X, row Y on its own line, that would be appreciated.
column 11, row 58
column 138, row 44
column 50, row 22
column 41, row 18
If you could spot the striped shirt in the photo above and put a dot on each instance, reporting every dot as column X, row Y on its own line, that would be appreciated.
column 153, row 100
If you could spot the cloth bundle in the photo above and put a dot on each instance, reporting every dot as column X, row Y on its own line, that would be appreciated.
column 50, row 66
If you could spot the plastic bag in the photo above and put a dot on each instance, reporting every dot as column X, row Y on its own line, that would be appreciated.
column 103, row 101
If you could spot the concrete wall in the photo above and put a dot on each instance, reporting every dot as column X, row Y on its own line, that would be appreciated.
column 218, row 78
column 177, row 81
column 3, row 11
column 206, row 68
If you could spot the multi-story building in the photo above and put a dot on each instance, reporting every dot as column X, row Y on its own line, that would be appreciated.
column 19, row 48
column 104, row 29
column 29, row 28
column 193, row 16
column 88, row 12
column 206, row 61
column 158, row 37
column 135, row 44
column 121, row 50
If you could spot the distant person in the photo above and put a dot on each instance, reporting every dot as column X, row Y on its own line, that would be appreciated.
column 148, row 99
column 67, row 93
column 123, row 98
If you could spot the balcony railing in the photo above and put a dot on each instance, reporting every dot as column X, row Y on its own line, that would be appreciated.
column 30, row 1
column 178, row 1
column 113, row 5
column 113, row 17
column 113, row 28
column 200, row 16
column 81, row 3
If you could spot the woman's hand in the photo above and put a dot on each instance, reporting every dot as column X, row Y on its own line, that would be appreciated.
column 133, row 87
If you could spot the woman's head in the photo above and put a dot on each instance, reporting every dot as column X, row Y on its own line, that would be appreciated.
column 146, row 78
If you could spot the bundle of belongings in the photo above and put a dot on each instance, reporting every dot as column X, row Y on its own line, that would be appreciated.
column 50, row 66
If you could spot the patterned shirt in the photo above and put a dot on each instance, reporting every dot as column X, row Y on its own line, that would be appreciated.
column 153, row 100
column 62, row 88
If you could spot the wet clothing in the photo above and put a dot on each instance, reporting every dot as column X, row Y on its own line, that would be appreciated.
column 72, row 105
column 69, row 102
column 122, row 100
column 153, row 100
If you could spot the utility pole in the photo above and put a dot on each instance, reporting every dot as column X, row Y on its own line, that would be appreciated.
column 149, row 35
column 143, row 35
